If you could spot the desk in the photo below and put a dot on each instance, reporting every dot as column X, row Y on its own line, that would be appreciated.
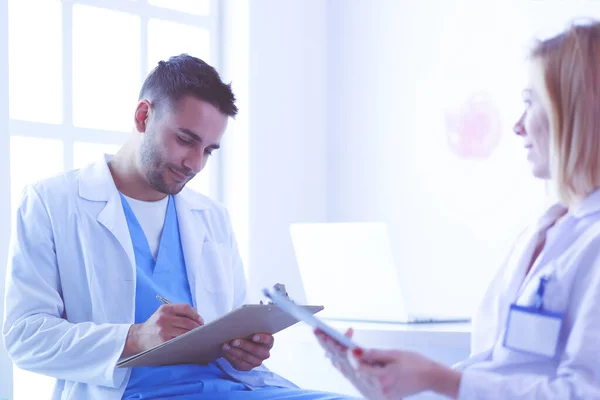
column 298, row 357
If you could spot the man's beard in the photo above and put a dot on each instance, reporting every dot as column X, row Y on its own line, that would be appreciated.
column 154, row 167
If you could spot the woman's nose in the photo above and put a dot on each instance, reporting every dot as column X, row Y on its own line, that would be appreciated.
column 519, row 127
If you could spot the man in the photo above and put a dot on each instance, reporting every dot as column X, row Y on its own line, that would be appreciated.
column 93, row 248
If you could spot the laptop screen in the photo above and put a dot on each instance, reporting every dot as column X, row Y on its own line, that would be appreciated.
column 349, row 268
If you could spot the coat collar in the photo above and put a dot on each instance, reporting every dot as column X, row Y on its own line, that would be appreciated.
column 97, row 184
column 590, row 205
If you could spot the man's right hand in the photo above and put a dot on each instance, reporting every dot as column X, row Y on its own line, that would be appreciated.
column 169, row 321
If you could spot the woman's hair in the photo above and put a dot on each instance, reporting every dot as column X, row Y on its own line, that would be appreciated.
column 569, row 86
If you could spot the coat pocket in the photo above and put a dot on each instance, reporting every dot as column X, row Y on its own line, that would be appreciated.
column 216, row 269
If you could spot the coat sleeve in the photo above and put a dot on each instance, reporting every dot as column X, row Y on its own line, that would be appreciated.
column 578, row 372
column 35, row 330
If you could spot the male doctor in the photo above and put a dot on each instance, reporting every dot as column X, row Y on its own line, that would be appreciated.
column 91, row 249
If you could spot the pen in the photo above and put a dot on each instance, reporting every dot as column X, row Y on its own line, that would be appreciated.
column 163, row 299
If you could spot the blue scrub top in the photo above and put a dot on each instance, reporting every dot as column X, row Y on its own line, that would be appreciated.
column 167, row 277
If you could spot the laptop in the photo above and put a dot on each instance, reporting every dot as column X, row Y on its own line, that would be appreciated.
column 349, row 268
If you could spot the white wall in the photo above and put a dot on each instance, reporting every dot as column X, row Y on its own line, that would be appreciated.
column 5, row 363
column 287, row 133
column 393, row 68
column 345, row 123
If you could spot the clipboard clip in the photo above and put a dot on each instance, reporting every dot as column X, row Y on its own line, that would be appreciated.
column 279, row 288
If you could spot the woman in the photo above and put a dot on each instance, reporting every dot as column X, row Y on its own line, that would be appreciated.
column 537, row 333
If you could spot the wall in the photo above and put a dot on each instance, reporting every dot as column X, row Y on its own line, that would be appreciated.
column 5, row 363
column 395, row 69
column 346, row 121
column 287, row 134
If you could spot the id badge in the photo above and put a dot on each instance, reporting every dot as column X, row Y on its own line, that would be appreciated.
column 533, row 331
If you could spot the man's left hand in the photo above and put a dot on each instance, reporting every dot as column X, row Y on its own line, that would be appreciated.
column 244, row 354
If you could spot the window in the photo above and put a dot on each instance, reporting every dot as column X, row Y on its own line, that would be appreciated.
column 73, row 86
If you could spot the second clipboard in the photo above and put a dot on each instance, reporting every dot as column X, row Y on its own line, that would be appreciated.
column 304, row 315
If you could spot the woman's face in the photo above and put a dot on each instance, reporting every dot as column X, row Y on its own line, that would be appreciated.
column 534, row 128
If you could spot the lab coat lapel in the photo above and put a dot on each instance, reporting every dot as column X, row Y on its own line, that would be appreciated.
column 496, row 305
column 113, row 219
column 96, row 184
column 545, row 222
column 518, row 263
column 515, row 275
column 192, row 231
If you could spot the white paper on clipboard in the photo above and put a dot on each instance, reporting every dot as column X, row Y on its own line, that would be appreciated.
column 301, row 314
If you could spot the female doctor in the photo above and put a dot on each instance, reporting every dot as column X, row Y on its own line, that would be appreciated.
column 537, row 333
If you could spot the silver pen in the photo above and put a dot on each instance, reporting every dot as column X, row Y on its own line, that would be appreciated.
column 163, row 299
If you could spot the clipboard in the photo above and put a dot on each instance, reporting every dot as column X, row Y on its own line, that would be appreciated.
column 302, row 314
column 203, row 344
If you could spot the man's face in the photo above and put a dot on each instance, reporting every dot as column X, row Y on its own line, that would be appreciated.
column 178, row 141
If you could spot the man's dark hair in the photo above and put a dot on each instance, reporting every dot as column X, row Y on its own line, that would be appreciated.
column 185, row 75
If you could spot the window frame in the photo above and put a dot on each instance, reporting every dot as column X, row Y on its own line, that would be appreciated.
column 66, row 131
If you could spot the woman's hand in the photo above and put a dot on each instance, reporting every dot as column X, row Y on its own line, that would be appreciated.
column 348, row 366
column 390, row 374
column 404, row 373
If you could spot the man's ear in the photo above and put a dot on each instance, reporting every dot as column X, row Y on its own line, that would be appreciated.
column 142, row 113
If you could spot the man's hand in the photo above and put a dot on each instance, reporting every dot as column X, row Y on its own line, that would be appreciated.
column 244, row 354
column 169, row 321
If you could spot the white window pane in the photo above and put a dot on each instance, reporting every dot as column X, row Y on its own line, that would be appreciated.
column 27, row 385
column 35, row 60
column 198, row 7
column 85, row 153
column 32, row 159
column 106, row 68
column 166, row 39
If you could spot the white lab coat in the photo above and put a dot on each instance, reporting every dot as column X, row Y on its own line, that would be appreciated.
column 572, row 257
column 70, row 288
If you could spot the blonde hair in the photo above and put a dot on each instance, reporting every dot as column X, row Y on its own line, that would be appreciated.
column 569, row 86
